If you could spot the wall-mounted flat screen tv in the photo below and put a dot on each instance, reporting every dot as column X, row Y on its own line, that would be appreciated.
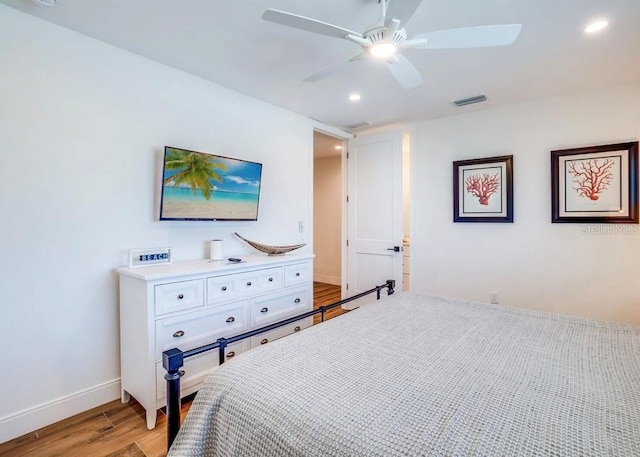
column 207, row 187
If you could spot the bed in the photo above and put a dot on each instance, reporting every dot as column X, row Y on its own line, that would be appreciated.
column 420, row 375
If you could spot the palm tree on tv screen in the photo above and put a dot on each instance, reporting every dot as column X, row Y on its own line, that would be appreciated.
column 196, row 170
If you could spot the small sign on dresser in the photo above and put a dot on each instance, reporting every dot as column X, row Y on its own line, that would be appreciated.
column 149, row 257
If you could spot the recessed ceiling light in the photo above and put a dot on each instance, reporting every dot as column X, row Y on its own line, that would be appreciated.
column 596, row 26
column 354, row 97
column 337, row 148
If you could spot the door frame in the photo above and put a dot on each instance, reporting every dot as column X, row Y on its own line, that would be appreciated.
column 408, row 153
column 344, row 136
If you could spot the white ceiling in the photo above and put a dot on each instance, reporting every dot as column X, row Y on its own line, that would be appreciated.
column 227, row 42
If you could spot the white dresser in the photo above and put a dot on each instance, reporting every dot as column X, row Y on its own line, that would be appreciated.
column 189, row 304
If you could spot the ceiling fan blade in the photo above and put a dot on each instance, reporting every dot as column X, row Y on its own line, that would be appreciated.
column 308, row 24
column 470, row 37
column 404, row 72
column 332, row 69
column 393, row 26
column 401, row 10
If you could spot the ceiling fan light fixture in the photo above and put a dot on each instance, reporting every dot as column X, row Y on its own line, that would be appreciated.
column 596, row 26
column 383, row 49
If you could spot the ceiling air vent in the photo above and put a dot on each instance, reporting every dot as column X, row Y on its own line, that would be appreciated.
column 470, row 101
column 44, row 2
column 357, row 125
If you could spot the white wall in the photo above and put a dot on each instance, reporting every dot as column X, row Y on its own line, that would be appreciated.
column 532, row 262
column 83, row 126
column 327, row 220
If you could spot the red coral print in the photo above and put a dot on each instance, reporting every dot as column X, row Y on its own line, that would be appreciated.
column 483, row 186
column 591, row 176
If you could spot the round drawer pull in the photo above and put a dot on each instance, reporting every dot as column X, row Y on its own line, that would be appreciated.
column 231, row 354
column 248, row 283
column 178, row 334
column 298, row 274
column 264, row 341
column 264, row 310
column 231, row 319
column 297, row 300
column 270, row 279
column 181, row 372
column 180, row 297
column 297, row 329
column 224, row 288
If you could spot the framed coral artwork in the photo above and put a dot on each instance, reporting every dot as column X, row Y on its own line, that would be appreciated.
column 483, row 190
column 595, row 184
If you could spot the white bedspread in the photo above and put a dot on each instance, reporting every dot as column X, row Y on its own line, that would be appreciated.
column 416, row 375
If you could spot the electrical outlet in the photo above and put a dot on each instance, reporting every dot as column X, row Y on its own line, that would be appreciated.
column 493, row 297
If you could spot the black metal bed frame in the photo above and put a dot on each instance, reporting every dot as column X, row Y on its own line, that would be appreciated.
column 172, row 359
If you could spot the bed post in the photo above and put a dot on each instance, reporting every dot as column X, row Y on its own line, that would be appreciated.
column 172, row 361
column 221, row 350
column 391, row 285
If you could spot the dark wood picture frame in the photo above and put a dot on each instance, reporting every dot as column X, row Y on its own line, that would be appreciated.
column 483, row 190
column 595, row 184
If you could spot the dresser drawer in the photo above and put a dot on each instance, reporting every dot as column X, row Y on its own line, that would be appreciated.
column 178, row 296
column 299, row 273
column 197, row 328
column 275, row 307
column 285, row 330
column 195, row 370
column 222, row 289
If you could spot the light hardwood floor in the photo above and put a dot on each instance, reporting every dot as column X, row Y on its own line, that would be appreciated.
column 116, row 429
column 326, row 294
column 113, row 429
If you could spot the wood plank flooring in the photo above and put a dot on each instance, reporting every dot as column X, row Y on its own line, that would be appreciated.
column 116, row 429
column 110, row 430
column 326, row 294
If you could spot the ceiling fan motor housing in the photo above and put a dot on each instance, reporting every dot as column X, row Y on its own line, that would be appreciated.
column 379, row 34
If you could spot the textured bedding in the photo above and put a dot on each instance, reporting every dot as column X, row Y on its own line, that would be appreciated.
column 418, row 375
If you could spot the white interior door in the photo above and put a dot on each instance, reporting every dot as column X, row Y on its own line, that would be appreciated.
column 374, row 212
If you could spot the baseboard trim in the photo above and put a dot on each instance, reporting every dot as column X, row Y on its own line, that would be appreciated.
column 31, row 419
column 327, row 279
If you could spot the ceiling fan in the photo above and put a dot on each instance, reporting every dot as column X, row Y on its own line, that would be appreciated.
column 385, row 38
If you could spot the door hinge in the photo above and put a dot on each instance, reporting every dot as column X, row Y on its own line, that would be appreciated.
column 347, row 242
column 347, row 286
column 347, row 155
column 347, row 199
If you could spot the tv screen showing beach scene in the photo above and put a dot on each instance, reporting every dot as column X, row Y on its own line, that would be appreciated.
column 207, row 187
